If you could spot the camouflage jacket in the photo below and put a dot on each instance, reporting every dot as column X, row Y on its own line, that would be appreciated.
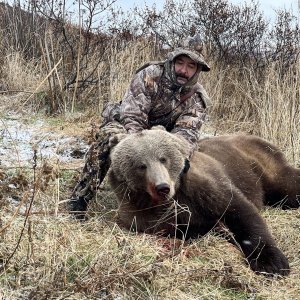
column 151, row 100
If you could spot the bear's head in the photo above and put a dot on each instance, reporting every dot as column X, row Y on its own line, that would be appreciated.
column 150, row 161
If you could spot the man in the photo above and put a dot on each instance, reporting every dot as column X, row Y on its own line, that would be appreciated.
column 161, row 93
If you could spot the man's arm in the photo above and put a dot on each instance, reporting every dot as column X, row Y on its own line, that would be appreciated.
column 190, row 121
column 136, row 103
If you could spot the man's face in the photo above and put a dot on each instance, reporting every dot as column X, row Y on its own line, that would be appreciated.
column 185, row 68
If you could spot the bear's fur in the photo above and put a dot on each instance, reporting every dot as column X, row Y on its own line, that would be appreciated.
column 230, row 178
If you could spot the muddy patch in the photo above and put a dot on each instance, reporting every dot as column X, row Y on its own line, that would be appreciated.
column 19, row 139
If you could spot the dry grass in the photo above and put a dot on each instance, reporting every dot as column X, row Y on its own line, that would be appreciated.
column 268, row 107
column 21, row 78
column 60, row 258
column 19, row 73
column 28, row 83
column 123, row 65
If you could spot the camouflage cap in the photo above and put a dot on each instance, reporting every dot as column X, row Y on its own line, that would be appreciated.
column 170, row 70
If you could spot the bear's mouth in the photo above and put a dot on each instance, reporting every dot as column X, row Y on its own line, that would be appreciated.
column 159, row 193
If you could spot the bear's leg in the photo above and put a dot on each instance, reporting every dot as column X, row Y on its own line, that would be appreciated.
column 94, row 171
column 284, row 190
column 252, row 236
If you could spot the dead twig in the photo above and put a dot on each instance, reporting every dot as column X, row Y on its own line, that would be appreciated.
column 18, row 91
column 27, row 214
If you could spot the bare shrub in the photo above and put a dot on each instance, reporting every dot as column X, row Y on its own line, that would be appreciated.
column 284, row 40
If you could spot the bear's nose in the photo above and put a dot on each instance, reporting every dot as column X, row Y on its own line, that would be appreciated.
column 162, row 188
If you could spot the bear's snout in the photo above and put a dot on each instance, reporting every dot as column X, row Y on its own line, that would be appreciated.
column 162, row 189
column 158, row 182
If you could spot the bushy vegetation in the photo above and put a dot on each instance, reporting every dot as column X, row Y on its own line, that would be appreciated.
column 66, row 62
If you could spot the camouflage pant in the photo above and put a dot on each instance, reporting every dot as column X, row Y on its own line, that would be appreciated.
column 95, row 168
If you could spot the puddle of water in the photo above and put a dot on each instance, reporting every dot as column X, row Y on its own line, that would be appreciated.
column 18, row 141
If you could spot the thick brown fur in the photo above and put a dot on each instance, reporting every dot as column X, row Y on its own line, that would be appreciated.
column 230, row 178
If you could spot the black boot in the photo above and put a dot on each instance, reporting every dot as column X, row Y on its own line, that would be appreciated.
column 80, row 198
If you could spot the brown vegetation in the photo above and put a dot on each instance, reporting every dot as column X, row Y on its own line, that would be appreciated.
column 49, row 65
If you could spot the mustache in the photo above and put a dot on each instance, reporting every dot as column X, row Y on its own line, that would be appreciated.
column 181, row 75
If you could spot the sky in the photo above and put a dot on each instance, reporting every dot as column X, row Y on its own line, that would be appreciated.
column 267, row 6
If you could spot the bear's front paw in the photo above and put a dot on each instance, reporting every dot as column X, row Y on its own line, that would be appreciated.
column 269, row 261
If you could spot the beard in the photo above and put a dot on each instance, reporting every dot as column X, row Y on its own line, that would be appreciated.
column 181, row 78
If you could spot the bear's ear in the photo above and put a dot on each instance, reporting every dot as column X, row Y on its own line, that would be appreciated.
column 115, row 139
column 158, row 127
column 183, row 146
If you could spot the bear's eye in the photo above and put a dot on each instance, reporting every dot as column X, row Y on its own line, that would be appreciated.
column 142, row 167
column 163, row 160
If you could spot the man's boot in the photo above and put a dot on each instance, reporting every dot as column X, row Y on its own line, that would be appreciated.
column 94, row 172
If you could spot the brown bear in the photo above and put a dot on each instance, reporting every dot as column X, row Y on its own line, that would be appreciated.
column 229, row 179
